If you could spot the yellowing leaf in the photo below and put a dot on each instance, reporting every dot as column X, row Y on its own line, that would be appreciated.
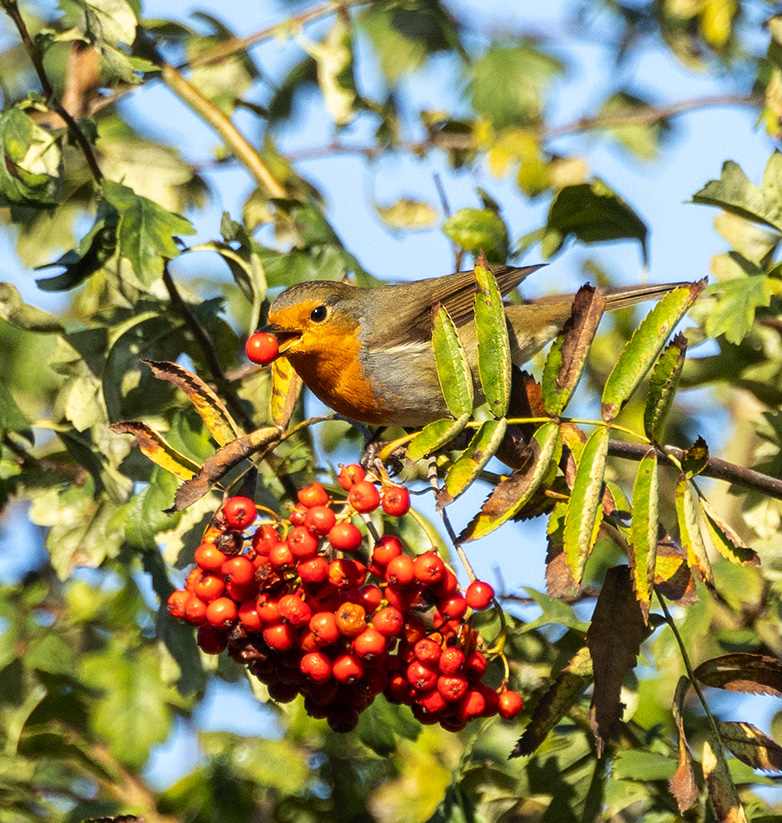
column 157, row 449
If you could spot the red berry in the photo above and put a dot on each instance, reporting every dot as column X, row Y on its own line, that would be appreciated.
column 238, row 570
column 316, row 666
column 324, row 626
column 264, row 539
column 475, row 666
column 195, row 610
column 315, row 570
column 396, row 501
column 211, row 639
column 209, row 587
column 370, row 597
column 239, row 512
column 452, row 686
column 363, row 496
column 192, row 579
column 351, row 619
column 451, row 661
column 268, row 609
column 249, row 591
column 388, row 621
column 342, row 718
column 297, row 516
column 479, row 595
column 471, row 705
column 350, row 475
column 509, row 704
column 222, row 612
column 429, row 568
column 176, row 603
column 248, row 616
column 281, row 556
column 283, row 692
column 345, row 573
column 302, row 544
column 347, row 668
column 400, row 571
column 432, row 702
column 293, row 609
column 345, row 537
column 454, row 607
column 313, row 495
column 386, row 549
column 319, row 520
column 420, row 677
column 261, row 348
column 447, row 587
column 427, row 651
column 369, row 644
column 209, row 558
column 399, row 690
column 281, row 637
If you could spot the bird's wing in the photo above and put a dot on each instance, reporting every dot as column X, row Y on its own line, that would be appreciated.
column 456, row 292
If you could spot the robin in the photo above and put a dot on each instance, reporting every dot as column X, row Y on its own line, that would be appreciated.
column 367, row 352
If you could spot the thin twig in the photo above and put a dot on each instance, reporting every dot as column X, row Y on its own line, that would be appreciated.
column 11, row 8
column 716, row 468
column 207, row 346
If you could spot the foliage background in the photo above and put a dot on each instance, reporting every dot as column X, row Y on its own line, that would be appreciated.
column 94, row 678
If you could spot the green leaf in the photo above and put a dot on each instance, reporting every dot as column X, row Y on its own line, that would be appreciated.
column 733, row 192
column 643, row 529
column 143, row 516
column 568, row 354
column 145, row 231
column 508, row 84
column 380, row 726
column 695, row 459
column 20, row 315
column 479, row 230
column 734, row 312
column 29, row 173
column 725, row 540
column 641, row 138
column 662, row 387
column 471, row 461
column 511, row 495
column 407, row 215
column 592, row 213
column 453, row 368
column 644, row 346
column 434, row 436
column 494, row 362
column 690, row 531
column 584, row 513
column 11, row 416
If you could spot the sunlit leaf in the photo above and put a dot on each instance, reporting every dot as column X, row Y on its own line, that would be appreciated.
column 479, row 230
column 494, row 363
column 643, row 530
column 751, row 746
column 682, row 784
column 663, row 383
column 725, row 539
column 743, row 672
column 286, row 388
column 453, row 368
column 155, row 447
column 690, row 531
column 722, row 790
column 435, row 435
column 471, row 461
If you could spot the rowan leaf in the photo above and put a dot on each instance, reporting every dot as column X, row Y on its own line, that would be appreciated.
column 695, row 459
column 555, row 702
column 568, row 354
column 733, row 314
column 559, row 578
column 643, row 529
column 613, row 652
column 479, row 230
column 155, row 447
column 286, row 388
column 453, row 368
column 663, row 383
column 11, row 416
column 725, row 539
column 494, row 362
column 644, row 346
column 584, row 513
column 435, row 435
column 145, row 231
column 30, row 172
column 209, row 406
column 722, row 791
column 471, row 461
column 510, row 496
column 751, row 746
column 743, row 672
column 682, row 784
column 21, row 315
column 690, row 531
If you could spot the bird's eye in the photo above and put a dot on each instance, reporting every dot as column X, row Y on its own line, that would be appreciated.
column 319, row 314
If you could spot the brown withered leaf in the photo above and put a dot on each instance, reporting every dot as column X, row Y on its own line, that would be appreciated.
column 673, row 578
column 682, row 784
column 559, row 579
column 751, row 746
column 569, row 351
column 555, row 702
column 722, row 791
column 696, row 458
column 613, row 652
column 743, row 672
column 220, row 463
column 215, row 415
column 286, row 388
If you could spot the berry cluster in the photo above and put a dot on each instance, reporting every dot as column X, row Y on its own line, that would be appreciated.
column 308, row 616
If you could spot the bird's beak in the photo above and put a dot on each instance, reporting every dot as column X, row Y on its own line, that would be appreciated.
column 285, row 337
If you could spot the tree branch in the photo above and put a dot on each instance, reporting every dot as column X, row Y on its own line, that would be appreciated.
column 11, row 8
column 716, row 468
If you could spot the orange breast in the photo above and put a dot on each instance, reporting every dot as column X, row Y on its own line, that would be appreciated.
column 330, row 366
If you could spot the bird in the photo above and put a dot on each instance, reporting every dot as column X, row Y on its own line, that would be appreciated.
column 367, row 352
